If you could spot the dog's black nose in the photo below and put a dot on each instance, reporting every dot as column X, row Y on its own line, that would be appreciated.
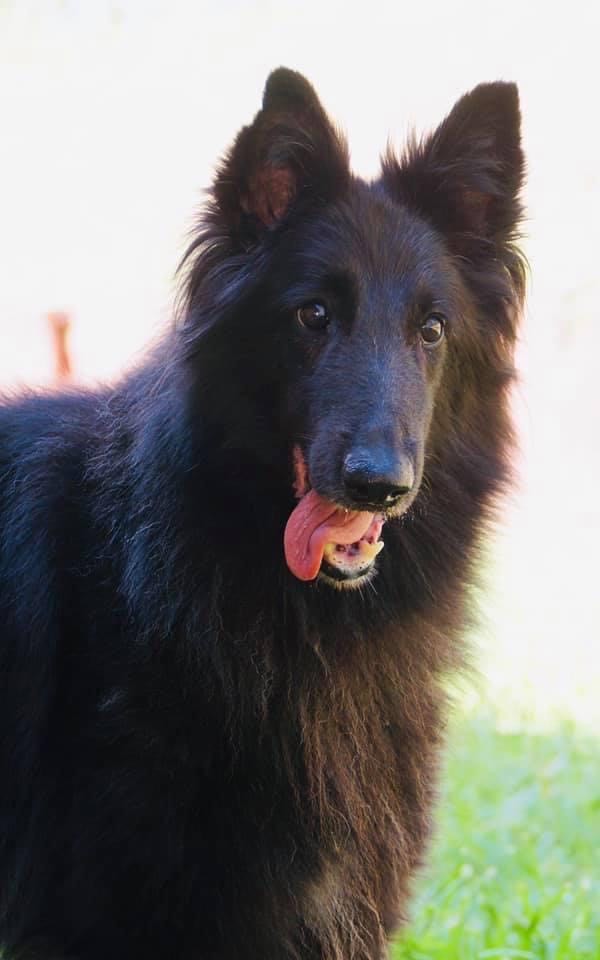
column 377, row 480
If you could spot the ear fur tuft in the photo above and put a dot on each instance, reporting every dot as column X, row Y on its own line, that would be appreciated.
column 289, row 156
column 466, row 176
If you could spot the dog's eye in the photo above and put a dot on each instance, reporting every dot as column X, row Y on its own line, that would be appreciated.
column 313, row 315
column 432, row 329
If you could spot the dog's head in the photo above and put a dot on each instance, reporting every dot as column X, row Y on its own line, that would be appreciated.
column 364, row 330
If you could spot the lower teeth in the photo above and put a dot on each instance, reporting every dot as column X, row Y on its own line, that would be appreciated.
column 354, row 556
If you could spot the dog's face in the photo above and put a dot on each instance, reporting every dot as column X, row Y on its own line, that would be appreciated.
column 358, row 304
column 369, row 301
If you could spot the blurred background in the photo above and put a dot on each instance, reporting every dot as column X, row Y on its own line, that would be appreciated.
column 112, row 116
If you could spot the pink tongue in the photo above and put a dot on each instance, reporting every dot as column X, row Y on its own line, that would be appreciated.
column 313, row 523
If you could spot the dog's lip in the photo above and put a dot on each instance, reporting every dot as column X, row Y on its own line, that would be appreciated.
column 301, row 483
column 341, row 576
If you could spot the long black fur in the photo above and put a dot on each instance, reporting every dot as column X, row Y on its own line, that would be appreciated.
column 200, row 755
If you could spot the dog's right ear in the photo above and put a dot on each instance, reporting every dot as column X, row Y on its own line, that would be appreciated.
column 290, row 157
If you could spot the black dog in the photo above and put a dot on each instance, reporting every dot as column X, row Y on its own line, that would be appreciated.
column 232, row 584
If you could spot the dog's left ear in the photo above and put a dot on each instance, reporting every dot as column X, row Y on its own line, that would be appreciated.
column 289, row 157
column 466, row 176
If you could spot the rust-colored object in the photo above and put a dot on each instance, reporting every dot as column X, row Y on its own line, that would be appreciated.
column 60, row 324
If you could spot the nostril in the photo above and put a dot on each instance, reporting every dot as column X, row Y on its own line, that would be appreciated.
column 396, row 493
column 388, row 494
column 365, row 481
column 357, row 479
column 358, row 488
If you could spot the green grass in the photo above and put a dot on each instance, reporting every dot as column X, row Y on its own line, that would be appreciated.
column 514, row 869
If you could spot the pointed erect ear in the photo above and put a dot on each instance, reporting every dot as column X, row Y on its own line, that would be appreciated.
column 466, row 176
column 290, row 156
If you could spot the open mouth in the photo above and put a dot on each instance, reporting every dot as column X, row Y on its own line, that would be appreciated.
column 326, row 540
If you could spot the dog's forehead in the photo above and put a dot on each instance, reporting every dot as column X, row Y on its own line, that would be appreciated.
column 380, row 242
